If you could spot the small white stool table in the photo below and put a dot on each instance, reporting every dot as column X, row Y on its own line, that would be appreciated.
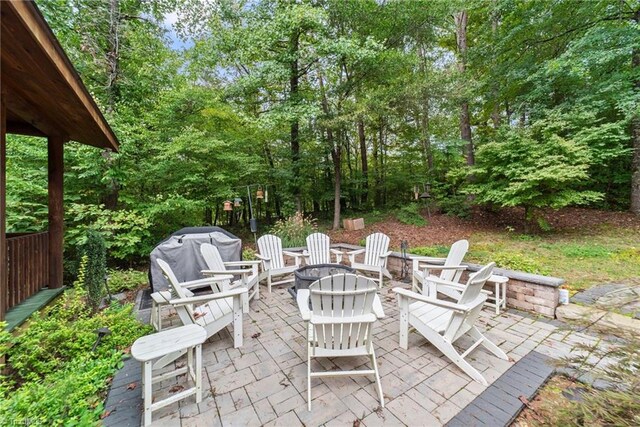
column 499, row 296
column 158, row 300
column 148, row 348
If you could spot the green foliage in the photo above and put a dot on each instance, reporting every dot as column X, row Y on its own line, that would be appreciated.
column 294, row 230
column 437, row 251
column 54, row 378
column 125, row 232
column 457, row 205
column 93, row 267
column 533, row 171
column 410, row 214
column 585, row 251
column 249, row 254
column 618, row 403
column 126, row 279
column 519, row 262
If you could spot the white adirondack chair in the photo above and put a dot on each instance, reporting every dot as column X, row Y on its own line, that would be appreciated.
column 218, row 309
column 442, row 323
column 218, row 269
column 376, row 253
column 272, row 257
column 344, row 308
column 319, row 250
column 450, row 268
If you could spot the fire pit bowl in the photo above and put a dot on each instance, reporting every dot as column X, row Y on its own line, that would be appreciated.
column 308, row 274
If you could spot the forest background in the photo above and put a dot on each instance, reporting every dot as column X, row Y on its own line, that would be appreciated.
column 339, row 108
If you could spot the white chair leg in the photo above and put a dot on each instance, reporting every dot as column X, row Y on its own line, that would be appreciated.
column 378, row 383
column 269, row 282
column 404, row 322
column 452, row 354
column 477, row 335
column 148, row 382
column 308, row 377
column 198, row 373
column 237, row 323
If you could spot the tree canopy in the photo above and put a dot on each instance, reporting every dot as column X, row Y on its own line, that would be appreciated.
column 336, row 107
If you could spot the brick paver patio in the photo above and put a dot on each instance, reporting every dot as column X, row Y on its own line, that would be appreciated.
column 264, row 382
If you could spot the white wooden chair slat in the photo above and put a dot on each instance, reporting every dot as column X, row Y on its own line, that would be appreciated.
column 375, row 257
column 444, row 325
column 319, row 250
column 340, row 323
column 217, row 313
column 422, row 267
column 273, row 264
column 249, row 277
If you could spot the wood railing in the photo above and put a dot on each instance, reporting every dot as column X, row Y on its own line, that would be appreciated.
column 27, row 265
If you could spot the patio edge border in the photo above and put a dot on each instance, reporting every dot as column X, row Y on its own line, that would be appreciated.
column 500, row 403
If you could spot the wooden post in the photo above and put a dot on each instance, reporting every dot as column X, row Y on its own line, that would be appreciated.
column 4, row 289
column 56, row 211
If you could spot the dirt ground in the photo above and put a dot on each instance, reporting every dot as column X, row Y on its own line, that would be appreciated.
column 442, row 229
column 548, row 404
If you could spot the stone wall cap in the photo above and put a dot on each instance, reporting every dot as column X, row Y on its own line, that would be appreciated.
column 537, row 279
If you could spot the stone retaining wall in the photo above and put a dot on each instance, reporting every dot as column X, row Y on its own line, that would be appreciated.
column 525, row 291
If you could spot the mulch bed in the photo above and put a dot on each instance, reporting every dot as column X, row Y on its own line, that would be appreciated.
column 442, row 229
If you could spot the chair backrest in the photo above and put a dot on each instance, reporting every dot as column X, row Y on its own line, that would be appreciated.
column 185, row 312
column 348, row 299
column 376, row 245
column 318, row 245
column 270, row 246
column 456, row 254
column 472, row 298
column 213, row 259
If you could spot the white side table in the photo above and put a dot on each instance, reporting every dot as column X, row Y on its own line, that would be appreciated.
column 499, row 296
column 158, row 300
column 148, row 348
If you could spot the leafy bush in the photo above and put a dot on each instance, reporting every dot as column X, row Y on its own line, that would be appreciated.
column 616, row 404
column 125, row 280
column 532, row 169
column 410, row 214
column 249, row 254
column 294, row 230
column 585, row 251
column 434, row 251
column 54, row 377
column 93, row 267
column 516, row 261
column 455, row 205
column 126, row 232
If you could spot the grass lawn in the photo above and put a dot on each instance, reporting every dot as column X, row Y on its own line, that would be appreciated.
column 586, row 247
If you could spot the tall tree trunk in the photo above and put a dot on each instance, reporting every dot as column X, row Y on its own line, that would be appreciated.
column 110, row 199
column 635, row 135
column 465, row 119
column 294, row 45
column 363, row 156
column 495, row 114
column 336, row 154
column 423, row 122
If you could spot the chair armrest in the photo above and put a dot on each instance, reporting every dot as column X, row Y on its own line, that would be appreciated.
column 200, row 282
column 302, row 299
column 227, row 272
column 429, row 300
column 356, row 252
column 241, row 263
column 292, row 254
column 439, row 281
column 431, row 259
column 336, row 252
column 263, row 258
column 237, row 292
column 377, row 308
column 386, row 254
column 444, row 267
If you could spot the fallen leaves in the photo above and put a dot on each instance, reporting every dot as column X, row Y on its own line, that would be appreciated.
column 176, row 388
column 132, row 386
column 256, row 335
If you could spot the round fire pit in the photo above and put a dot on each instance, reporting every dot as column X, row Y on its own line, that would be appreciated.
column 308, row 274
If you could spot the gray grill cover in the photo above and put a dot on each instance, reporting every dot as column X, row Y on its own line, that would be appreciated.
column 182, row 252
